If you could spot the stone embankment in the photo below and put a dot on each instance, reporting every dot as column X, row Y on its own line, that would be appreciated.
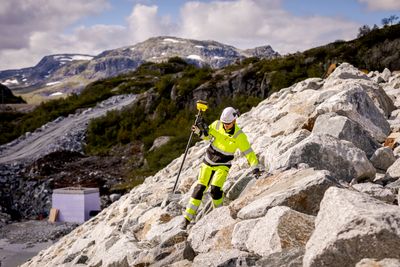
column 331, row 199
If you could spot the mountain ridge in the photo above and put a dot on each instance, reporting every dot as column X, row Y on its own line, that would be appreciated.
column 52, row 74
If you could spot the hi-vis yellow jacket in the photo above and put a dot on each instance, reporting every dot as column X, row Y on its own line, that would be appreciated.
column 225, row 143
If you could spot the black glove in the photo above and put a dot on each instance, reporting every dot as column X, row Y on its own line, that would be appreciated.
column 256, row 172
column 202, row 126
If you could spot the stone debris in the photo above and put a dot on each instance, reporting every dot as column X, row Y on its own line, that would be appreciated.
column 305, row 136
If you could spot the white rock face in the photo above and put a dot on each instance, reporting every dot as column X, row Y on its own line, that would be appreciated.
column 301, row 190
column 345, row 129
column 280, row 228
column 241, row 233
column 377, row 191
column 381, row 263
column 348, row 219
column 203, row 235
column 342, row 158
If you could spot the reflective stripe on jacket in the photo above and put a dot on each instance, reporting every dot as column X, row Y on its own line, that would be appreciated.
column 224, row 144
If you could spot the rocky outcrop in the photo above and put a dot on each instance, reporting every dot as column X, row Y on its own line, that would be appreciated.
column 269, row 221
column 7, row 97
column 345, row 220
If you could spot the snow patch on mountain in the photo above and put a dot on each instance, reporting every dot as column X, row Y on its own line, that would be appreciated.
column 52, row 83
column 195, row 57
column 10, row 82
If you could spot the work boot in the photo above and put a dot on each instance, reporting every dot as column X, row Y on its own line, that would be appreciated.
column 183, row 225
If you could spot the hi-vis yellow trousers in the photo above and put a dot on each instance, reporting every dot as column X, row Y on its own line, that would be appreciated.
column 213, row 176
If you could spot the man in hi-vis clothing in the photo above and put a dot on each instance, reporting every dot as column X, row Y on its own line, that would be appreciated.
column 225, row 138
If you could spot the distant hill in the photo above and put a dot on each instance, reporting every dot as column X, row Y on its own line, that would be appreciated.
column 67, row 73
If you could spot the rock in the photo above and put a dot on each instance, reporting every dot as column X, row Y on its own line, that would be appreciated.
column 393, row 172
column 241, row 233
column 223, row 258
column 324, row 152
column 377, row 191
column 292, row 257
column 310, row 83
column 238, row 187
column 280, row 228
column 159, row 141
column 378, row 263
column 301, row 190
column 345, row 129
column 394, row 186
column 351, row 226
column 203, row 236
column 345, row 71
column 353, row 102
column 386, row 74
column 183, row 263
column 383, row 158
column 114, row 197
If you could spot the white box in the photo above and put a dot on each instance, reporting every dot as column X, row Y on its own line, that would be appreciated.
column 74, row 203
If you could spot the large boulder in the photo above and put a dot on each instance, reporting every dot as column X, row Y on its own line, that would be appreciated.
column 324, row 152
column 383, row 158
column 345, row 71
column 281, row 228
column 393, row 172
column 241, row 232
column 204, row 235
column 351, row 226
column 378, row 263
column 301, row 190
column 287, row 257
column 222, row 258
column 377, row 191
column 344, row 128
column 353, row 102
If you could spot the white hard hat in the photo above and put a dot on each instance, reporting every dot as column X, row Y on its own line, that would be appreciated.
column 229, row 114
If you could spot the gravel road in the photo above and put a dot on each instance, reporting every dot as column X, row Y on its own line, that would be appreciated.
column 60, row 134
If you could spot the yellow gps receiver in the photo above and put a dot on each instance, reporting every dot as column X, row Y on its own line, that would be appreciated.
column 201, row 105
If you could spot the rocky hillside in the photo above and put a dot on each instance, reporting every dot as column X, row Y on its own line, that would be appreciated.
column 7, row 97
column 41, row 74
column 331, row 198
column 35, row 163
column 66, row 73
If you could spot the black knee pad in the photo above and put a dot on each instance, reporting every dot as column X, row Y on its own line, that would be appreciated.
column 198, row 191
column 216, row 192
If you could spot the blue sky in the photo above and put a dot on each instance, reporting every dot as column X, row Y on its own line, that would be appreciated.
column 31, row 29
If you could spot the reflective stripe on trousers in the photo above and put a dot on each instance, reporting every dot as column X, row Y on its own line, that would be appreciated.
column 191, row 209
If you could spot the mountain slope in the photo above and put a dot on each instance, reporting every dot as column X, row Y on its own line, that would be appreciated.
column 70, row 73
column 39, row 75
column 302, row 210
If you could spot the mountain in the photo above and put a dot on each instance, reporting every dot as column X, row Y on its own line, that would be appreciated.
column 66, row 73
column 38, row 75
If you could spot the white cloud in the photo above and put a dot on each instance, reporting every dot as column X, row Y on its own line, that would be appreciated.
column 388, row 5
column 242, row 23
column 250, row 23
column 144, row 22
column 30, row 28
